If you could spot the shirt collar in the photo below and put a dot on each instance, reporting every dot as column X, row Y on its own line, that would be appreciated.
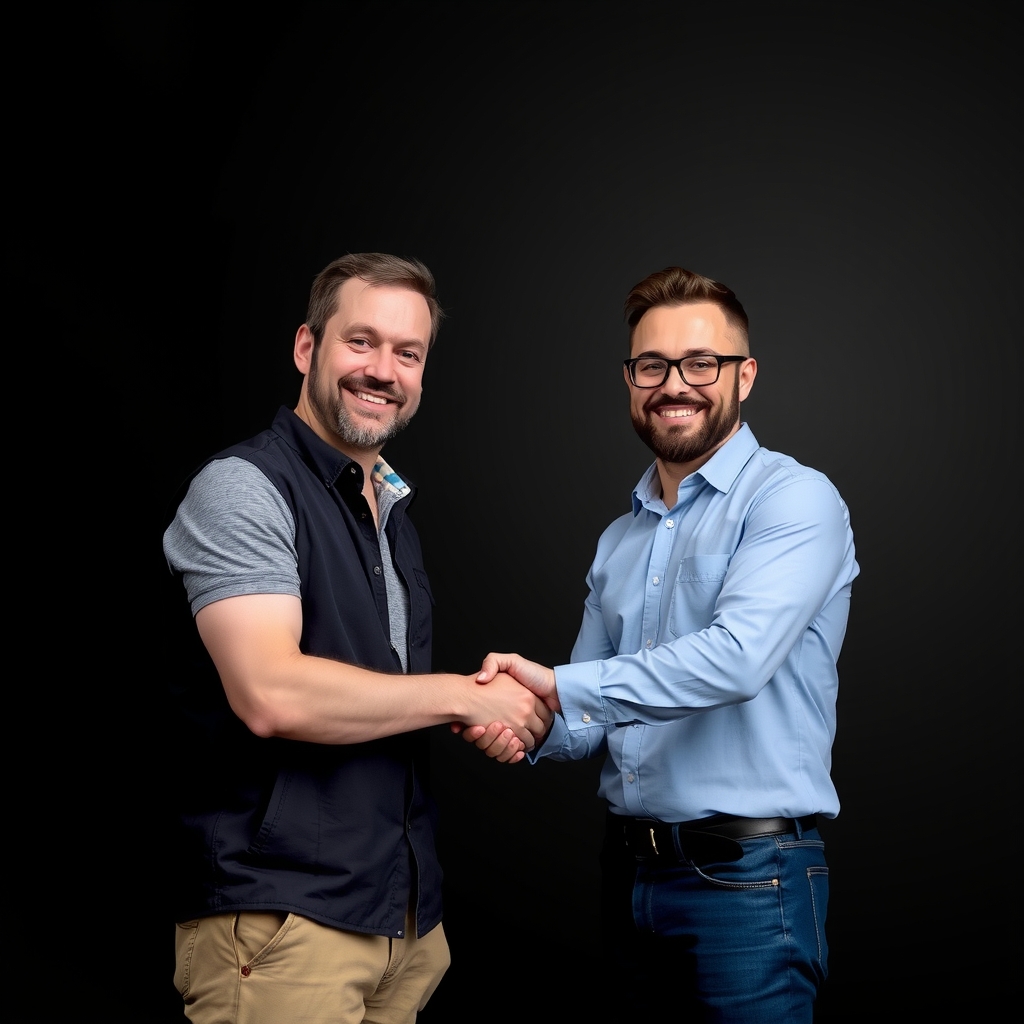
column 385, row 476
column 720, row 470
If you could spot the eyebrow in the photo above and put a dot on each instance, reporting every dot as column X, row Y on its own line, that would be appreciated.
column 353, row 329
column 686, row 355
column 359, row 328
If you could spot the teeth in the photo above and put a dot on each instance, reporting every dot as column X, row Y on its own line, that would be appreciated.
column 371, row 398
column 672, row 414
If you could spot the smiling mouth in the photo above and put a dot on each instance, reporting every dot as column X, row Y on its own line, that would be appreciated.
column 375, row 399
column 675, row 414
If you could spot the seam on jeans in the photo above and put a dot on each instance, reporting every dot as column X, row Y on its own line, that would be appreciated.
column 817, row 870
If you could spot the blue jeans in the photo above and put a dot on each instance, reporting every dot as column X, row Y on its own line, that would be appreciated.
column 716, row 942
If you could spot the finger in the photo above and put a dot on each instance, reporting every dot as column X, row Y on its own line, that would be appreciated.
column 471, row 733
column 511, row 756
column 505, row 746
column 487, row 736
column 539, row 726
column 492, row 665
column 524, row 734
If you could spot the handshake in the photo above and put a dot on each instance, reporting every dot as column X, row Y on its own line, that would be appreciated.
column 512, row 705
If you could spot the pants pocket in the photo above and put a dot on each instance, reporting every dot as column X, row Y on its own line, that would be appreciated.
column 257, row 932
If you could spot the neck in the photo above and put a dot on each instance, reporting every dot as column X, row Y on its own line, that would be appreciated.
column 366, row 458
column 672, row 474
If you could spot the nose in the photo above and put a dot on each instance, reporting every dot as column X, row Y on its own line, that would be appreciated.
column 380, row 364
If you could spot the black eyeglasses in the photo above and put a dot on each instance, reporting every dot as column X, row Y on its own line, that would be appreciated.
column 653, row 371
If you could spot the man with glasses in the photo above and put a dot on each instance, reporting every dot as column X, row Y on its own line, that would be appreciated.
column 705, row 674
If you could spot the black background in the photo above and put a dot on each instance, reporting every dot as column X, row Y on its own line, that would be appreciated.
column 850, row 170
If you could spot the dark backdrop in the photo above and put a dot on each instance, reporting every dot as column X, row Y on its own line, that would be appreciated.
column 849, row 169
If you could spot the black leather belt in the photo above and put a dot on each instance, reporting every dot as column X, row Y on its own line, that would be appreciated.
column 715, row 837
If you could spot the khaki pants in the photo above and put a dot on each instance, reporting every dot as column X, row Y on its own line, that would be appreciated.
column 267, row 968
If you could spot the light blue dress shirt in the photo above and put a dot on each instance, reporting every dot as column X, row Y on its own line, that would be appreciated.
column 705, row 666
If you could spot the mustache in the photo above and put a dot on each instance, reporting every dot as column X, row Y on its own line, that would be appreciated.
column 374, row 385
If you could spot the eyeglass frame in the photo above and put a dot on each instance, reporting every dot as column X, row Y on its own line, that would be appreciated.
column 630, row 365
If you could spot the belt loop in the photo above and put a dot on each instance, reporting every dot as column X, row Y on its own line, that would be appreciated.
column 799, row 828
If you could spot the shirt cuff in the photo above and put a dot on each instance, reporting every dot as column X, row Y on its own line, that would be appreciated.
column 579, row 693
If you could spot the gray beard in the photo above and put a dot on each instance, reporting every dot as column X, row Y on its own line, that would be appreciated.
column 332, row 414
column 367, row 438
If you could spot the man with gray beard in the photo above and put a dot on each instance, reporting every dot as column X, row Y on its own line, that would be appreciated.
column 307, row 885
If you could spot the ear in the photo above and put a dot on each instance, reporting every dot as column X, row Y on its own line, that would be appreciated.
column 748, row 371
column 303, row 351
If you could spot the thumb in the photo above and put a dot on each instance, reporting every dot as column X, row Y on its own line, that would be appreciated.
column 489, row 669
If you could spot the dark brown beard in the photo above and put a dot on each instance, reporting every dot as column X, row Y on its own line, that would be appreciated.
column 674, row 445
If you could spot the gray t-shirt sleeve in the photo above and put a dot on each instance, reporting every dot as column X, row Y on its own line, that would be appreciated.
column 233, row 534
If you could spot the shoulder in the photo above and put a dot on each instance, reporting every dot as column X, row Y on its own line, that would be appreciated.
column 232, row 483
column 775, row 483
column 776, row 469
column 228, row 498
column 617, row 527
column 232, row 534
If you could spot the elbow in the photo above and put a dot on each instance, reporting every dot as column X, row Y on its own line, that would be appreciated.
column 260, row 725
column 259, row 721
column 748, row 690
column 261, row 716
column 750, row 684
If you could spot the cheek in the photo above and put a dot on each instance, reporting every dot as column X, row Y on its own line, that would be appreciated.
column 412, row 386
column 336, row 367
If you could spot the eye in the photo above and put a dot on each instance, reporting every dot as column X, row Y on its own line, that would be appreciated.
column 358, row 342
column 410, row 356
column 650, row 365
column 700, row 365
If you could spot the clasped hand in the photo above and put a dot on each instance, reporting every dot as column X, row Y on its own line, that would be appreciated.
column 499, row 740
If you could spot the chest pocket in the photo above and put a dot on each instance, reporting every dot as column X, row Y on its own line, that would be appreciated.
column 695, row 592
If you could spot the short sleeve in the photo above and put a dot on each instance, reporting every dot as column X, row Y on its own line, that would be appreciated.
column 233, row 534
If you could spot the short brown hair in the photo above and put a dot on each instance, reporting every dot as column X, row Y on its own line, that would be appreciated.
column 675, row 286
column 374, row 268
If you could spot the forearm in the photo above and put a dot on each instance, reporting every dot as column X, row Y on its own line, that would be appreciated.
column 323, row 701
column 277, row 690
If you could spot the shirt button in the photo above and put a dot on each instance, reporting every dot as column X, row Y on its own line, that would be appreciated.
column 630, row 777
column 669, row 523
column 656, row 580
column 376, row 570
column 586, row 718
column 400, row 933
column 648, row 644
